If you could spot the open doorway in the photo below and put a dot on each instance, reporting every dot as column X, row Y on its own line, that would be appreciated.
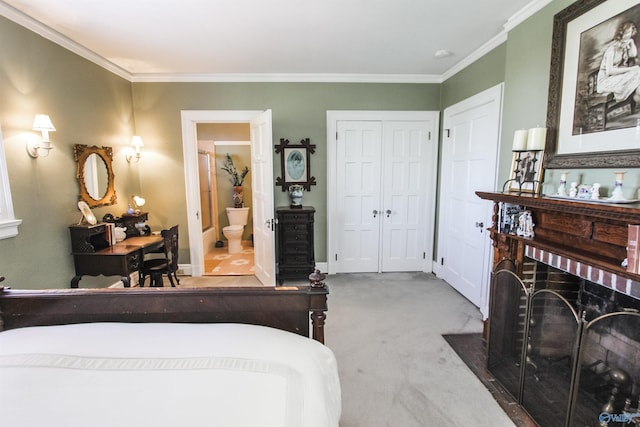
column 218, row 142
column 260, row 193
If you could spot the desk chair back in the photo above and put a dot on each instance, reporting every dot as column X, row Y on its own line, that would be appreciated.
column 157, row 267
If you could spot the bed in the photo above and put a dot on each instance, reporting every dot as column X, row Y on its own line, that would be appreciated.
column 167, row 357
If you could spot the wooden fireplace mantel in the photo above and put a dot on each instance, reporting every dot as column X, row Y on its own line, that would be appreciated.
column 588, row 232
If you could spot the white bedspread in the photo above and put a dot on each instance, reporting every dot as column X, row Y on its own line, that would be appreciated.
column 125, row 374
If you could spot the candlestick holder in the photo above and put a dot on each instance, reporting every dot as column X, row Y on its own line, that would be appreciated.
column 524, row 173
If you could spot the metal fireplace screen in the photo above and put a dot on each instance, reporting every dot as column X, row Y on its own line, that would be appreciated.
column 566, row 350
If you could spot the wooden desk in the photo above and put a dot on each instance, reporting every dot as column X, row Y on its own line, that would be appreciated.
column 121, row 259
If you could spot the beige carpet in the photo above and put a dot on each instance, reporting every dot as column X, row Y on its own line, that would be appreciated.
column 220, row 263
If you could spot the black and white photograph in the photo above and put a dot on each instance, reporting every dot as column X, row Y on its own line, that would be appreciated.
column 608, row 93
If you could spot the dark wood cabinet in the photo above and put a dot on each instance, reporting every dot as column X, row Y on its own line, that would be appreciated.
column 294, row 243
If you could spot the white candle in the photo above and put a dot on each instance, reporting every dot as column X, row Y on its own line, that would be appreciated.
column 536, row 139
column 520, row 140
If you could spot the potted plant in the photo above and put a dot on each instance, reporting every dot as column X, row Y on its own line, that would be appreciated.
column 236, row 178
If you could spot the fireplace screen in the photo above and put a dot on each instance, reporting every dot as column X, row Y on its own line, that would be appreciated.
column 551, row 346
column 567, row 349
column 507, row 312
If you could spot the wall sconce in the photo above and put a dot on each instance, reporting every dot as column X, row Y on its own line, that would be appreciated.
column 136, row 142
column 532, row 140
column 42, row 122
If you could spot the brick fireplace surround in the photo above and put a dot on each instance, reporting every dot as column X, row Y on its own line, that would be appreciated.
column 585, row 271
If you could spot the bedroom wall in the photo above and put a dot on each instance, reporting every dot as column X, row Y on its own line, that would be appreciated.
column 299, row 111
column 87, row 105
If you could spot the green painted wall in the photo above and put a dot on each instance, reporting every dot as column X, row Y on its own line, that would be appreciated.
column 299, row 111
column 87, row 105
column 484, row 73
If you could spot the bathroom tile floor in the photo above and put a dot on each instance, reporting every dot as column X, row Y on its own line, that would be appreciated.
column 220, row 263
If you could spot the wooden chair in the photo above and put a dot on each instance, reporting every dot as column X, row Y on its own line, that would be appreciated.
column 167, row 264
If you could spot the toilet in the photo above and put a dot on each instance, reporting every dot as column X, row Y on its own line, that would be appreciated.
column 233, row 232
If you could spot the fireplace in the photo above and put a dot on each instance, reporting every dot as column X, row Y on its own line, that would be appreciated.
column 563, row 333
column 570, row 353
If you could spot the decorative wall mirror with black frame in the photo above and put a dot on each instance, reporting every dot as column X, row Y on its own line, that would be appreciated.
column 95, row 175
column 592, row 120
column 295, row 163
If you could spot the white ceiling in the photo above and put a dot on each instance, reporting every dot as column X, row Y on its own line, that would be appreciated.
column 285, row 40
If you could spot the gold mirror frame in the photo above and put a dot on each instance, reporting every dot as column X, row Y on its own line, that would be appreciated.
column 81, row 153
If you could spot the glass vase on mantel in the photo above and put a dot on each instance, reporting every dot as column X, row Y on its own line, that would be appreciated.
column 238, row 198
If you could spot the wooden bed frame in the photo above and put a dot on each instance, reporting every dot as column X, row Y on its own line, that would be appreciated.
column 286, row 308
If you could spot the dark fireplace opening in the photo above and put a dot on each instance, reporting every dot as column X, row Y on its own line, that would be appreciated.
column 566, row 348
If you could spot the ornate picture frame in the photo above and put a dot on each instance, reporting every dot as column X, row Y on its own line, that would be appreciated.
column 581, row 32
column 295, row 163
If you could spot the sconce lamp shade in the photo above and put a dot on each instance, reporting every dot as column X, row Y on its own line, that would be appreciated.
column 136, row 141
column 536, row 139
column 42, row 123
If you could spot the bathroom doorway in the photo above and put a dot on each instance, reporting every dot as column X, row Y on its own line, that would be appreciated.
column 215, row 142
column 260, row 192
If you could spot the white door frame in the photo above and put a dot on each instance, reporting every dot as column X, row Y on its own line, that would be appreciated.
column 190, row 119
column 333, row 116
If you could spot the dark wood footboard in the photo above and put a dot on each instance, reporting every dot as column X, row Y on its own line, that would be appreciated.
column 287, row 308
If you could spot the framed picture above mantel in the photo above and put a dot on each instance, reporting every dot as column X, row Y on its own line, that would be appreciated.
column 593, row 114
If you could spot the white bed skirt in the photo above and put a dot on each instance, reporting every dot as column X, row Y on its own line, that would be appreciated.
column 135, row 374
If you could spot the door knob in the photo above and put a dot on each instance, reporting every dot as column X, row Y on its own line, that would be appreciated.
column 375, row 213
column 388, row 212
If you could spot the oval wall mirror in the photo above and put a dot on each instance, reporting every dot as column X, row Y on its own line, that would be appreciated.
column 95, row 175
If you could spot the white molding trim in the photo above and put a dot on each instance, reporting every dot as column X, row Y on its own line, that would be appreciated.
column 525, row 13
column 52, row 35
column 8, row 222
column 286, row 78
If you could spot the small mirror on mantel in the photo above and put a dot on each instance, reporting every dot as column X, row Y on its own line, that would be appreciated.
column 95, row 175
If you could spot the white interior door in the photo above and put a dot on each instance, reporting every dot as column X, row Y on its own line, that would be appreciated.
column 407, row 169
column 469, row 159
column 380, row 216
column 358, row 196
column 262, row 183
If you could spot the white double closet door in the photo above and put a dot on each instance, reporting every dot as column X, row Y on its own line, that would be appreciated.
column 382, row 169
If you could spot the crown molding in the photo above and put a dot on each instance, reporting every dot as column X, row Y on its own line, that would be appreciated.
column 525, row 13
column 288, row 78
column 52, row 35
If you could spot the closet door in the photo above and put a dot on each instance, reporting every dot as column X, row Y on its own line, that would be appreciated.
column 407, row 166
column 358, row 202
column 382, row 219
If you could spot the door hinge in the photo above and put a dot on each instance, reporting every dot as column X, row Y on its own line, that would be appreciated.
column 441, row 261
column 429, row 135
column 336, row 135
column 448, row 131
column 424, row 255
column 336, row 257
